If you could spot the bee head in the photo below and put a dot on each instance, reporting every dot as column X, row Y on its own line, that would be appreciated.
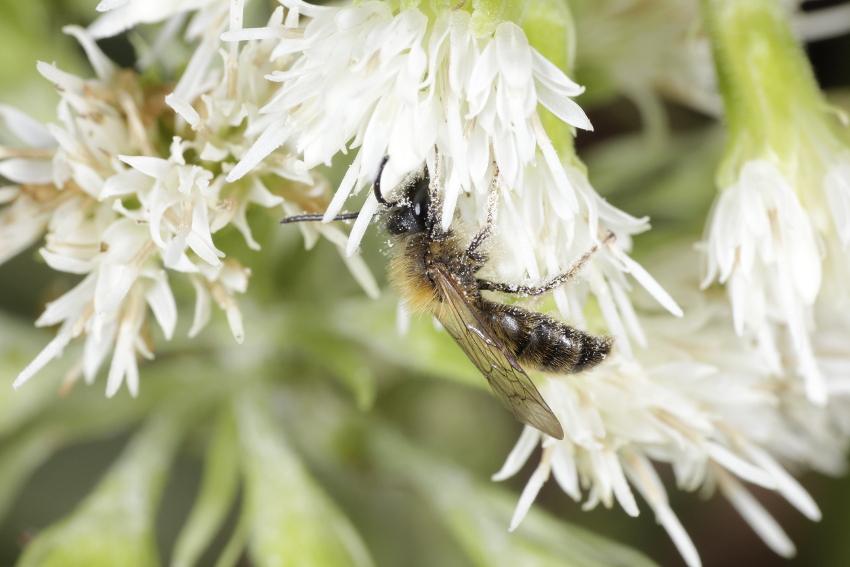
column 410, row 215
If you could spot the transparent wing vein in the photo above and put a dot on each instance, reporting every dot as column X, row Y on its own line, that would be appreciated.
column 509, row 382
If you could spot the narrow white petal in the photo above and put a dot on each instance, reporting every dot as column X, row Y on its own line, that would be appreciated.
column 518, row 456
column 106, row 5
column 739, row 466
column 628, row 314
column 191, row 83
column 212, row 153
column 602, row 291
column 786, row 484
column 9, row 193
column 620, row 486
column 200, row 239
column 522, row 238
column 87, row 178
column 67, row 81
column 66, row 263
column 30, row 171
column 361, row 273
column 759, row 519
column 28, row 130
column 402, row 319
column 305, row 8
column 124, row 183
column 270, row 140
column 113, row 284
column 815, row 383
column 123, row 358
column 53, row 349
column 532, row 489
column 648, row 282
column 555, row 165
column 562, row 107
column 344, row 190
column 667, row 518
column 564, row 470
column 95, row 350
column 157, row 168
column 104, row 68
column 234, row 319
column 164, row 308
column 203, row 304
column 251, row 34
column 823, row 23
column 646, row 480
column 262, row 196
column 370, row 206
column 551, row 75
column 184, row 109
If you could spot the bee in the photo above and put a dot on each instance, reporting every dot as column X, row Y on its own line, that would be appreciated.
column 434, row 271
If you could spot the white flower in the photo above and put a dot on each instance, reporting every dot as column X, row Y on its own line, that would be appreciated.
column 234, row 102
column 121, row 15
column 364, row 78
column 541, row 238
column 419, row 90
column 125, row 227
column 762, row 244
column 701, row 400
column 33, row 198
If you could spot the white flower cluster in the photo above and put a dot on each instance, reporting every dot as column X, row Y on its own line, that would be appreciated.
column 123, row 217
column 702, row 401
column 778, row 239
column 403, row 86
column 762, row 244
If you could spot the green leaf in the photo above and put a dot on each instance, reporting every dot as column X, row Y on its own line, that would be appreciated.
column 19, row 458
column 19, row 344
column 422, row 349
column 292, row 522
column 343, row 358
column 478, row 516
column 215, row 495
column 114, row 525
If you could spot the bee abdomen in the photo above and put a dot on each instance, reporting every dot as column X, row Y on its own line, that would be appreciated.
column 541, row 343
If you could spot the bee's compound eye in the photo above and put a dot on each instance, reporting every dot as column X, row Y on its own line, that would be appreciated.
column 421, row 200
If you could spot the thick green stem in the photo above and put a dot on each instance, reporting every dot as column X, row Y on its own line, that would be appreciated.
column 768, row 88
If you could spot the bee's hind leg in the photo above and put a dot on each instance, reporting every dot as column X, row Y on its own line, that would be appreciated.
column 553, row 283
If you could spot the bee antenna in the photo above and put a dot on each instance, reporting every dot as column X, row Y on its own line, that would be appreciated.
column 377, row 184
column 302, row 218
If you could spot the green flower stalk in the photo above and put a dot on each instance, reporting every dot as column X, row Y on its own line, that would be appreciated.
column 777, row 236
column 114, row 525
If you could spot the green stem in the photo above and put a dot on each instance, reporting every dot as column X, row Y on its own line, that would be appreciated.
column 768, row 88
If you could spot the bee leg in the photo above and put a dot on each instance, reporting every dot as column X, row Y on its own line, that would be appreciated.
column 472, row 251
column 553, row 283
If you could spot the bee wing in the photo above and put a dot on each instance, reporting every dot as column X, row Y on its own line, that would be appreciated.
column 509, row 382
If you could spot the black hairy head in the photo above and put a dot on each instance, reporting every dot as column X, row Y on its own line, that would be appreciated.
column 411, row 214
